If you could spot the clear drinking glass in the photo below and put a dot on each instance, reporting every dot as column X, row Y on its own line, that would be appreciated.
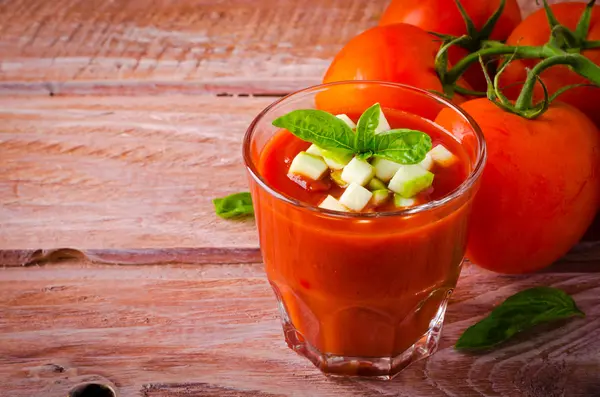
column 362, row 294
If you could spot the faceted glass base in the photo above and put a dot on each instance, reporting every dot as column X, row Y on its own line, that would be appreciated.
column 384, row 368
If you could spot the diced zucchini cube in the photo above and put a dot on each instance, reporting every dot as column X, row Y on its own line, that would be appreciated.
column 358, row 171
column 410, row 180
column 380, row 197
column 385, row 169
column 402, row 202
column 383, row 124
column 331, row 203
column 355, row 197
column 307, row 165
column 314, row 150
column 376, row 184
column 346, row 120
column 427, row 162
column 442, row 156
column 333, row 160
column 336, row 176
column 336, row 161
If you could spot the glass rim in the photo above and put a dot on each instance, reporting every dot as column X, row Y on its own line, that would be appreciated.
column 454, row 195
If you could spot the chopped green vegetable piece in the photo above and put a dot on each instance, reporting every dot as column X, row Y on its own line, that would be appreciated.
column 331, row 203
column 521, row 311
column 380, row 197
column 314, row 150
column 376, row 184
column 358, row 171
column 234, row 206
column 410, row 180
column 402, row 202
column 308, row 165
column 427, row 162
column 336, row 176
column 355, row 197
column 385, row 169
column 442, row 156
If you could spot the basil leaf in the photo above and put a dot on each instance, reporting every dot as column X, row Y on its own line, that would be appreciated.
column 234, row 206
column 365, row 156
column 318, row 127
column 365, row 129
column 402, row 146
column 518, row 313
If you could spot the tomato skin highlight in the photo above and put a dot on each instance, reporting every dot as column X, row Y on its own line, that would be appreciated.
column 535, row 31
column 398, row 53
column 540, row 189
column 443, row 16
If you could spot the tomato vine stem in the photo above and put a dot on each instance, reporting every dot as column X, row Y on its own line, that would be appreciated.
column 564, row 47
column 577, row 62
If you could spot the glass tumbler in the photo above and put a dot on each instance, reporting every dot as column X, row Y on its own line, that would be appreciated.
column 362, row 294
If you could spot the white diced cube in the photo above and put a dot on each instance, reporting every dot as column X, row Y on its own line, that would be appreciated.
column 427, row 162
column 307, row 165
column 383, row 124
column 355, row 197
column 314, row 150
column 410, row 180
column 346, row 120
column 400, row 201
column 331, row 203
column 385, row 169
column 358, row 171
column 442, row 156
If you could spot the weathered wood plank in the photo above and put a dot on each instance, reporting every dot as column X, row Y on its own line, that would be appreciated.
column 583, row 258
column 122, row 172
column 131, row 47
column 133, row 174
column 238, row 44
column 182, row 330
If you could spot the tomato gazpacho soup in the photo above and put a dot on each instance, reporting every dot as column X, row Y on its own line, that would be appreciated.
column 360, row 233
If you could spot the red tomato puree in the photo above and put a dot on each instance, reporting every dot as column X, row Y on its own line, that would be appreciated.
column 361, row 287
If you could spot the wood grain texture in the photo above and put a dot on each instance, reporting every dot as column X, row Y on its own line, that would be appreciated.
column 128, row 46
column 122, row 172
column 213, row 330
column 239, row 45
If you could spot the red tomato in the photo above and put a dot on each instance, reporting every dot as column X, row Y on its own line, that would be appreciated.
column 540, row 187
column 396, row 53
column 443, row 16
column 535, row 31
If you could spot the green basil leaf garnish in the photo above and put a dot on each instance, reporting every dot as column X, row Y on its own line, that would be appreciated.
column 521, row 311
column 234, row 206
column 402, row 146
column 318, row 127
column 332, row 134
column 365, row 129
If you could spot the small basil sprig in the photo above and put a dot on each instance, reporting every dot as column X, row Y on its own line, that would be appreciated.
column 404, row 146
column 234, row 206
column 521, row 311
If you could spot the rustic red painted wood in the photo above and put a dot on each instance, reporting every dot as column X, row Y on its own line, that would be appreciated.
column 122, row 172
column 218, row 46
column 213, row 330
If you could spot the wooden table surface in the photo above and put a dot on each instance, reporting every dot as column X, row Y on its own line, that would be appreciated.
column 119, row 121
